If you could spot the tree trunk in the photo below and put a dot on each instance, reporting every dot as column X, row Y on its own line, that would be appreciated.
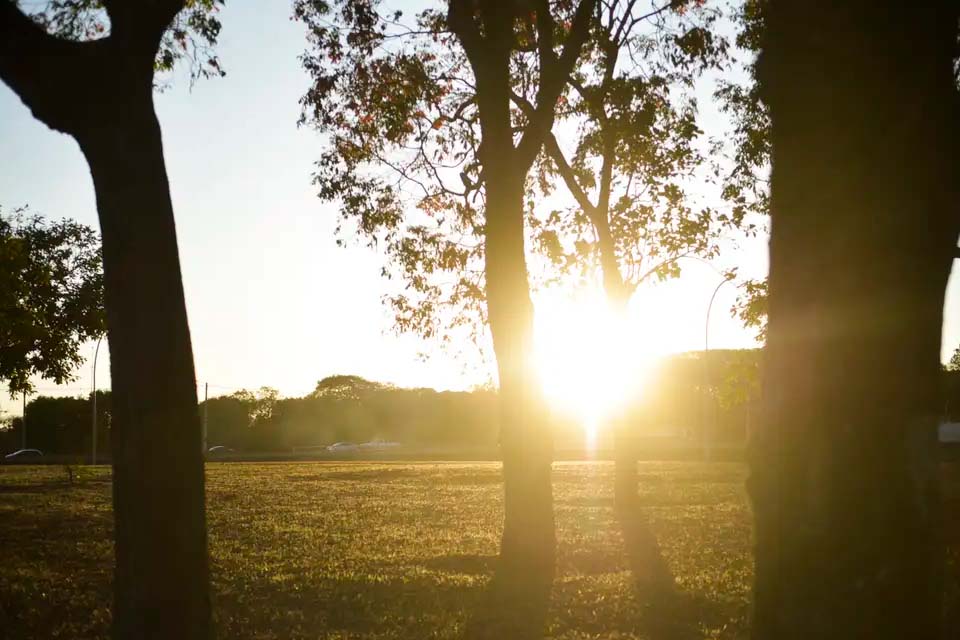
column 626, row 481
column 843, row 470
column 161, row 576
column 528, row 534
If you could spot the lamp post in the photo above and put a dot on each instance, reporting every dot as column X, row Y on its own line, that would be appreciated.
column 93, row 402
column 706, row 377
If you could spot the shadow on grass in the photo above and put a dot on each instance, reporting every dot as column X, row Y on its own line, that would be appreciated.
column 467, row 564
column 667, row 613
column 514, row 605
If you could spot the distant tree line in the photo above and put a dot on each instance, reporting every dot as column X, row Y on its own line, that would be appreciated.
column 686, row 394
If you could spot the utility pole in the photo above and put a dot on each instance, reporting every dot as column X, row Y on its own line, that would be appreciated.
column 206, row 388
column 706, row 371
column 23, row 422
column 93, row 403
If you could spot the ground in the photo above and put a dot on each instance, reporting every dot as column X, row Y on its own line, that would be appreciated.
column 391, row 550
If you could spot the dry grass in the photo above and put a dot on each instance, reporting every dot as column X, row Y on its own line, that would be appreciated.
column 390, row 550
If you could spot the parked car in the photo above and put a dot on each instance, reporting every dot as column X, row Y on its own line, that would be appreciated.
column 378, row 445
column 218, row 450
column 949, row 432
column 23, row 455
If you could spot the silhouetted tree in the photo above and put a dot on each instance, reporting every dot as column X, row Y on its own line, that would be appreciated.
column 440, row 107
column 954, row 363
column 844, row 472
column 51, row 297
column 96, row 84
column 346, row 387
column 633, row 112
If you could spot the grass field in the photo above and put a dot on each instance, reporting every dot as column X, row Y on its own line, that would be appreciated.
column 388, row 550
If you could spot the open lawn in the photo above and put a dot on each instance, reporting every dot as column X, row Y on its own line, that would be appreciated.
column 392, row 550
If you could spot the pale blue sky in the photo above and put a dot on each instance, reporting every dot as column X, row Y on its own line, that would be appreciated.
column 271, row 299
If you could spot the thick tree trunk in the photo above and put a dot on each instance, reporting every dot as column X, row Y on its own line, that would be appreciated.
column 528, row 534
column 161, row 577
column 844, row 478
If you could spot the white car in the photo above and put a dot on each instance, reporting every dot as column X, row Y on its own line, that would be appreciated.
column 23, row 455
column 218, row 450
column 341, row 447
column 378, row 445
column 950, row 432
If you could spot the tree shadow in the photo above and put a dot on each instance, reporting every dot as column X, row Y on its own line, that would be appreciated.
column 467, row 564
column 514, row 605
column 667, row 612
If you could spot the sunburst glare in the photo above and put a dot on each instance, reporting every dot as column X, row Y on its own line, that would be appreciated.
column 592, row 360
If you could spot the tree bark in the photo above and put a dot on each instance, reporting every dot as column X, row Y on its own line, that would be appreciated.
column 101, row 93
column 161, row 575
column 528, row 536
column 529, row 541
column 844, row 469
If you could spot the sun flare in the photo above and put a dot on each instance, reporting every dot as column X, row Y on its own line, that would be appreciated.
column 591, row 360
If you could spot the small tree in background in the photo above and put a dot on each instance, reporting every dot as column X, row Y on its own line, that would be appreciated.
column 51, row 297
column 954, row 363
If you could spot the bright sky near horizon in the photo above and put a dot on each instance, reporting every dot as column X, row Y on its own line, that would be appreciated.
column 271, row 299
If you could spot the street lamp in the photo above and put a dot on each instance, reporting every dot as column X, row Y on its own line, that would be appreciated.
column 93, row 402
column 727, row 277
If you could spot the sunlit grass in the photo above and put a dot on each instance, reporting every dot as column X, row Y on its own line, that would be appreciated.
column 340, row 550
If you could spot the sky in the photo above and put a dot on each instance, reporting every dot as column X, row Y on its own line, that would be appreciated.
column 271, row 299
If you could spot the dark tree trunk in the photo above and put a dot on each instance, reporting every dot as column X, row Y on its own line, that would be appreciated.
column 526, row 443
column 843, row 471
column 528, row 546
column 100, row 93
column 161, row 577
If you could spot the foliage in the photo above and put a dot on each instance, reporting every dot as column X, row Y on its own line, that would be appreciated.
column 628, row 122
column 347, row 387
column 751, row 306
column 953, row 364
column 51, row 297
column 190, row 38
column 747, row 185
column 397, row 101
column 741, row 379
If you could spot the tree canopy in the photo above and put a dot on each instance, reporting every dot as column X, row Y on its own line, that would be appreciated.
column 627, row 143
column 396, row 98
column 51, row 297
column 189, row 39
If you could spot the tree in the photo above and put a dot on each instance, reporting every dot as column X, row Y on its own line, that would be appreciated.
column 632, row 108
column 395, row 99
column 51, row 297
column 96, row 84
column 346, row 387
column 954, row 364
column 844, row 478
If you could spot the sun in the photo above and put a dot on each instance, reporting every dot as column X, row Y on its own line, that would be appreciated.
column 591, row 360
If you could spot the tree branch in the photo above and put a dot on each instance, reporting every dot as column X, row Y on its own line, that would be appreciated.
column 461, row 22
column 553, row 150
column 553, row 78
column 53, row 77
